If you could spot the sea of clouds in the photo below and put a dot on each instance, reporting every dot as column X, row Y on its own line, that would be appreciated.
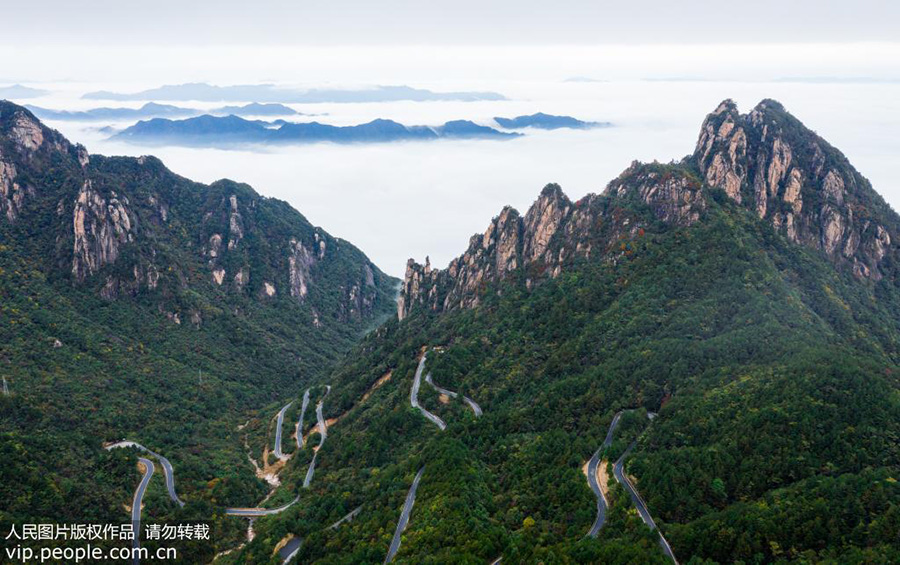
column 413, row 199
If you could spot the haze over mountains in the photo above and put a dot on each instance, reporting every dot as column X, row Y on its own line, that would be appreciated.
column 153, row 110
column 541, row 120
column 272, row 93
column 210, row 131
column 19, row 91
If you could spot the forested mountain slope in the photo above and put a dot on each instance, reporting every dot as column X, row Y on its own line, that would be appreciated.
column 136, row 303
column 746, row 295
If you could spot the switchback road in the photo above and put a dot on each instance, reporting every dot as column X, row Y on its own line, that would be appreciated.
column 166, row 465
column 472, row 404
column 278, row 423
column 414, row 396
column 300, row 421
column 137, row 501
column 593, row 464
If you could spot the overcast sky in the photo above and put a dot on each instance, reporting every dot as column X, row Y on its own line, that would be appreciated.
column 450, row 22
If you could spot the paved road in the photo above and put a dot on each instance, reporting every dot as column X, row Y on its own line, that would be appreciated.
column 472, row 404
column 290, row 550
column 320, row 419
column 619, row 472
column 310, row 471
column 323, row 433
column 602, row 503
column 404, row 516
column 300, row 421
column 166, row 465
column 136, row 503
column 346, row 518
column 414, row 396
column 278, row 424
column 257, row 512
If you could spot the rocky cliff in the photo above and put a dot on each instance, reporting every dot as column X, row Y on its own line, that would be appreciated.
column 125, row 227
column 555, row 232
column 766, row 161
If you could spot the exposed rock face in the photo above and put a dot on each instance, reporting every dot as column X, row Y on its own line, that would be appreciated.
column 766, row 161
column 552, row 234
column 724, row 168
column 791, row 177
column 122, row 226
column 27, row 132
column 300, row 262
column 235, row 224
column 101, row 227
column 673, row 197
column 12, row 195
column 241, row 278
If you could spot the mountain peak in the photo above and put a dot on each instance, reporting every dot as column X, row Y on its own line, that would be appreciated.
column 127, row 226
column 767, row 160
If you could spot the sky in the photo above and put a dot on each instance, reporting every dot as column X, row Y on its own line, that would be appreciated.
column 460, row 22
column 656, row 72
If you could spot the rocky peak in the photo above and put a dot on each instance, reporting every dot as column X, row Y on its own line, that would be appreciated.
column 765, row 160
column 542, row 221
column 768, row 161
column 672, row 193
column 553, row 233
column 23, row 142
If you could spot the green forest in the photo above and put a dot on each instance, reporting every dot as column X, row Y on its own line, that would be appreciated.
column 774, row 376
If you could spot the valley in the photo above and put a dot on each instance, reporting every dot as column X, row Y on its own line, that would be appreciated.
column 719, row 333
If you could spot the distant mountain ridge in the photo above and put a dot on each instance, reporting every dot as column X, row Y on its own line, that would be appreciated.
column 213, row 131
column 541, row 120
column 154, row 110
column 21, row 91
column 272, row 93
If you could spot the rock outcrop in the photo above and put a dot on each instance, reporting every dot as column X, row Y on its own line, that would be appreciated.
column 123, row 226
column 101, row 225
column 552, row 234
column 300, row 262
column 12, row 194
column 768, row 161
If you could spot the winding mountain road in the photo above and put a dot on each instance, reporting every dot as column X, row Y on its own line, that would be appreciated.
column 414, row 396
column 622, row 478
column 322, row 426
column 602, row 503
column 166, row 465
column 300, row 421
column 472, row 404
column 137, row 501
column 278, row 424
column 404, row 515
column 257, row 512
